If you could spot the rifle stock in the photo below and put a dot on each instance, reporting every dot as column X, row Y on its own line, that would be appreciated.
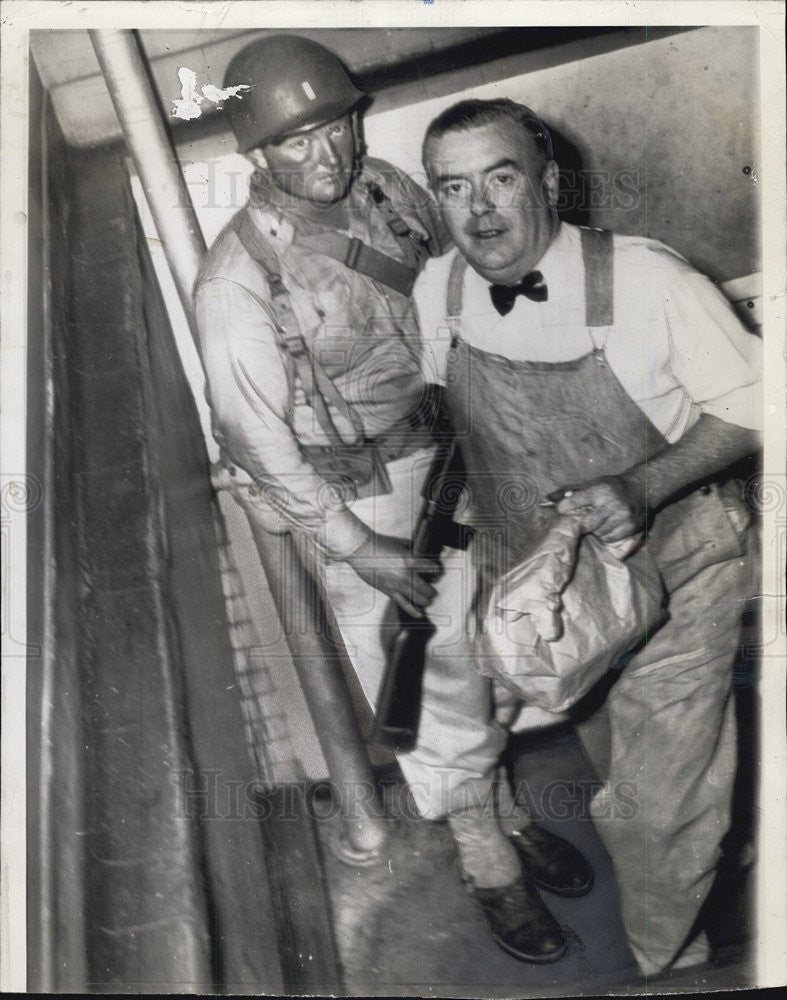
column 399, row 699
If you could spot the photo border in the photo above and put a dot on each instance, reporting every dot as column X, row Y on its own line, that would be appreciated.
column 19, row 18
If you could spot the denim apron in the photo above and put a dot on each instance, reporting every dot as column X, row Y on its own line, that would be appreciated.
column 529, row 428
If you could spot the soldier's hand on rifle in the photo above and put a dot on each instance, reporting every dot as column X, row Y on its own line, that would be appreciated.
column 387, row 564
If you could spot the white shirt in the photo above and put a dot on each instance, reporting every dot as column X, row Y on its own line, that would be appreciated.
column 676, row 345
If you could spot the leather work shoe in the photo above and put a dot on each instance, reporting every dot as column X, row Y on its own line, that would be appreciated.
column 552, row 862
column 520, row 923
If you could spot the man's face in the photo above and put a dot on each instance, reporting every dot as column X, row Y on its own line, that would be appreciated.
column 315, row 164
column 497, row 197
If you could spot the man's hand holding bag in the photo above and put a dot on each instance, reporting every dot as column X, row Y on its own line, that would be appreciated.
column 557, row 621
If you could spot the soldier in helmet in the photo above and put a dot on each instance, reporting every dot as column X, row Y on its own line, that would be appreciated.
column 309, row 332
column 315, row 377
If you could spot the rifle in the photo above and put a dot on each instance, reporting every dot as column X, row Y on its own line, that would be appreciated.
column 399, row 699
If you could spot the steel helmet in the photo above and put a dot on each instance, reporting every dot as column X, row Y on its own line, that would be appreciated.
column 295, row 84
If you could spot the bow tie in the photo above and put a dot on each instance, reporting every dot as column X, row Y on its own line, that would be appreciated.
column 531, row 286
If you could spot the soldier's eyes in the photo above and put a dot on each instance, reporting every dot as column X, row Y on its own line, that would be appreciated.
column 454, row 189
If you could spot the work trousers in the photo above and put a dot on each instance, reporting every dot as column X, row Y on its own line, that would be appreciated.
column 671, row 757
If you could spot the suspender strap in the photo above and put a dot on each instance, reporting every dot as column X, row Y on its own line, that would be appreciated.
column 597, row 257
column 356, row 255
column 317, row 386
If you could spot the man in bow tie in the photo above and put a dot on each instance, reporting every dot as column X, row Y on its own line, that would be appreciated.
column 603, row 377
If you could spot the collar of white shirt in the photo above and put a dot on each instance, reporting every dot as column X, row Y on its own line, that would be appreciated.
column 531, row 329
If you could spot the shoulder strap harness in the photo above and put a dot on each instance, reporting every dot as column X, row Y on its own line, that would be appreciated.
column 358, row 256
column 317, row 386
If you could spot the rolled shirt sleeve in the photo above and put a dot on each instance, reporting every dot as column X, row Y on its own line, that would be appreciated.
column 711, row 354
column 250, row 396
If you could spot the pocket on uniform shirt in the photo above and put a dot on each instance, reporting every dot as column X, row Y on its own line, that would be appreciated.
column 705, row 528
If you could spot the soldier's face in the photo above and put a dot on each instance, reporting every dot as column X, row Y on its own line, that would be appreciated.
column 316, row 164
column 496, row 195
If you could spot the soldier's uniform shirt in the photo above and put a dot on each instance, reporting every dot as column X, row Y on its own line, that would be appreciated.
column 363, row 333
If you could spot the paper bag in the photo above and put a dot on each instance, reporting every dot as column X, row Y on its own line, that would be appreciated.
column 564, row 615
